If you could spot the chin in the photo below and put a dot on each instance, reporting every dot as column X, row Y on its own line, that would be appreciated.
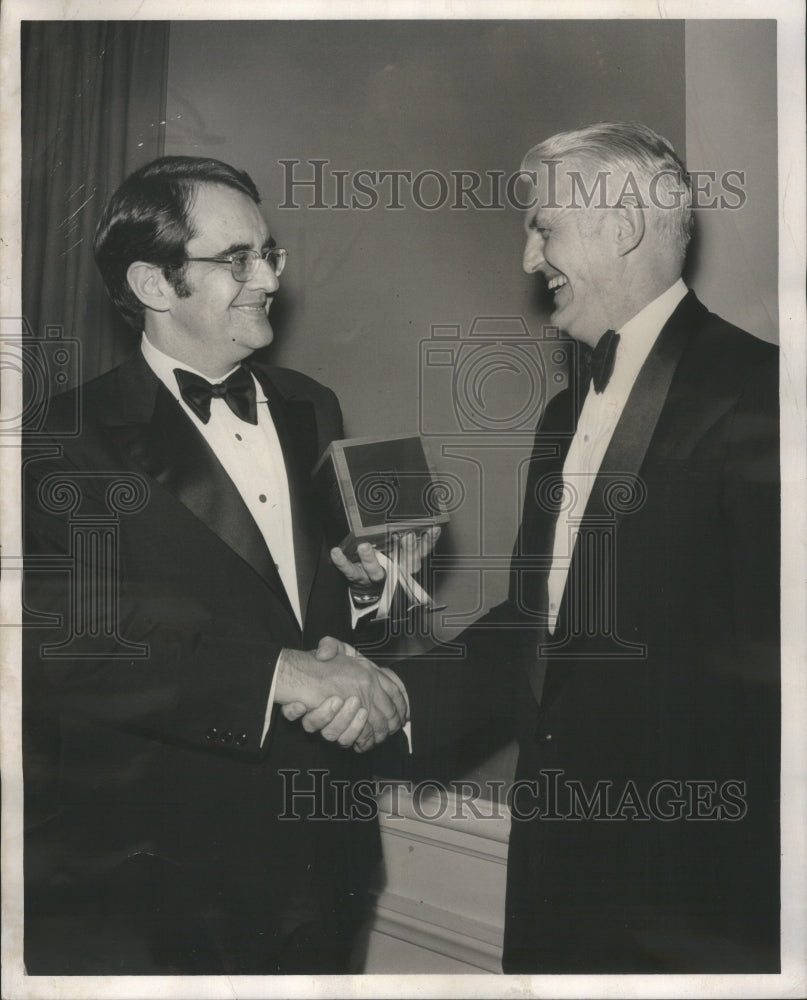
column 570, row 327
column 260, row 338
column 556, row 319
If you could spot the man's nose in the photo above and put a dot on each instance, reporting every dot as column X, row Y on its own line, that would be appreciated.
column 264, row 278
column 533, row 253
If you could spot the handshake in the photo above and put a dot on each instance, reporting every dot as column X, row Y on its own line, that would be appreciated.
column 335, row 690
column 340, row 694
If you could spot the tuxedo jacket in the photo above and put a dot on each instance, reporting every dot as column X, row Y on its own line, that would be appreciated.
column 645, row 829
column 155, row 617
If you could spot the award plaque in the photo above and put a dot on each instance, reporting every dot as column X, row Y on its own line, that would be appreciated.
column 374, row 490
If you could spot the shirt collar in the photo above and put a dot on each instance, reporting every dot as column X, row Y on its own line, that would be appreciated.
column 637, row 336
column 656, row 313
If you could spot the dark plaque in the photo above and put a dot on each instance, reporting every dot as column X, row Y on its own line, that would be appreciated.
column 372, row 488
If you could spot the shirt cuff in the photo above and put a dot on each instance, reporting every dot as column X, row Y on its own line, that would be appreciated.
column 271, row 703
column 406, row 729
column 357, row 613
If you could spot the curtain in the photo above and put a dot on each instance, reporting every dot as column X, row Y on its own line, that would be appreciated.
column 93, row 109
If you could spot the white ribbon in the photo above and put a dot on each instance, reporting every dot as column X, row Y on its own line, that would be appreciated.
column 398, row 576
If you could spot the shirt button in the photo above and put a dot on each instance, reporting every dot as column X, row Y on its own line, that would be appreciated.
column 238, row 437
column 262, row 498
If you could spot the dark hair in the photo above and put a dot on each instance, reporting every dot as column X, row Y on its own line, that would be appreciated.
column 148, row 219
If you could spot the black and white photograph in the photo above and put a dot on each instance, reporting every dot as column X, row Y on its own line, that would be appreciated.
column 403, row 499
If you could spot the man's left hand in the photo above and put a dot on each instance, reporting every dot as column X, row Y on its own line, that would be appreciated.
column 368, row 574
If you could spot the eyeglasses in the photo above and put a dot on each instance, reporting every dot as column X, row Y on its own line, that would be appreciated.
column 244, row 263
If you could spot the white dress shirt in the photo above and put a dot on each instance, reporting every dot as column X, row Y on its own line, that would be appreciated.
column 253, row 459
column 595, row 428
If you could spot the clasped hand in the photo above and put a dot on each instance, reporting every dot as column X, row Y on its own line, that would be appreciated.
column 341, row 694
column 351, row 701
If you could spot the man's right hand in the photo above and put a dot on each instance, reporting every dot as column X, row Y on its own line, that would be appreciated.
column 340, row 693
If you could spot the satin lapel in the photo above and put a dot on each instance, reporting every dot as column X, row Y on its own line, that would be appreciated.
column 634, row 431
column 552, row 440
column 160, row 438
column 295, row 422
column 617, row 490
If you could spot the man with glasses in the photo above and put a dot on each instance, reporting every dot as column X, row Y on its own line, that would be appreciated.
column 182, row 828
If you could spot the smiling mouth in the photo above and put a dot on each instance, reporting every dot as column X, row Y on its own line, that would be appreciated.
column 256, row 307
column 556, row 282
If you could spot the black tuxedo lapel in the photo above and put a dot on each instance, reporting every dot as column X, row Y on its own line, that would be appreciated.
column 634, row 431
column 532, row 553
column 617, row 491
column 295, row 423
column 146, row 422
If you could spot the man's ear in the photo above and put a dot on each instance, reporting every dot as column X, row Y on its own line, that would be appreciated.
column 149, row 284
column 629, row 225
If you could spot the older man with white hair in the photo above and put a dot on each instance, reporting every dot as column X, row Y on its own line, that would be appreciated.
column 637, row 657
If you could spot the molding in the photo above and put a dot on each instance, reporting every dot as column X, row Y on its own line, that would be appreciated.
column 432, row 929
column 445, row 885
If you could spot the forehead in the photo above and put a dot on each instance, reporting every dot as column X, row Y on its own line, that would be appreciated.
column 223, row 217
column 555, row 194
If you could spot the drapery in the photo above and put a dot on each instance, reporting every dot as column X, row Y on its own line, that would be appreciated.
column 93, row 109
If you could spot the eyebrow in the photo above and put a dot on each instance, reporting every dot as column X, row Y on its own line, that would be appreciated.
column 268, row 244
column 539, row 220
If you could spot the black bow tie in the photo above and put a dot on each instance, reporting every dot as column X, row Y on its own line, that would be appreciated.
column 600, row 363
column 237, row 391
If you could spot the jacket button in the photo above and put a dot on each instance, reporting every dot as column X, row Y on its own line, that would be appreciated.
column 241, row 740
column 543, row 737
column 226, row 737
column 212, row 734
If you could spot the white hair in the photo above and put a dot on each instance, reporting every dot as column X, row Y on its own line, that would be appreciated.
column 630, row 150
